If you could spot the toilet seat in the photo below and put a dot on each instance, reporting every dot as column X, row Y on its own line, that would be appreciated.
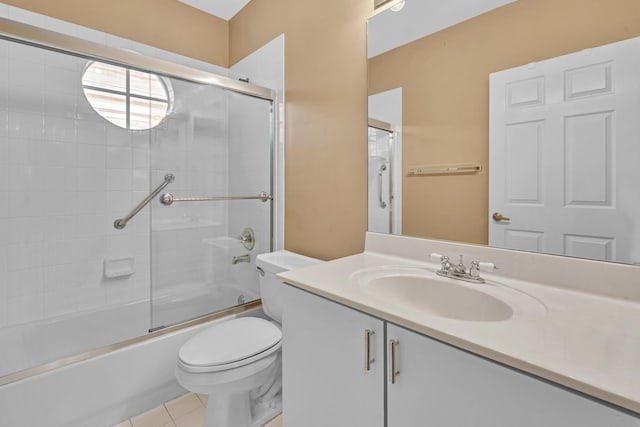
column 230, row 344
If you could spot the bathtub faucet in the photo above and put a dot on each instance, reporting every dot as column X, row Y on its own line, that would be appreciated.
column 241, row 258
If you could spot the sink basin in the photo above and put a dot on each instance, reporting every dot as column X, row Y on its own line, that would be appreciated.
column 421, row 290
column 438, row 297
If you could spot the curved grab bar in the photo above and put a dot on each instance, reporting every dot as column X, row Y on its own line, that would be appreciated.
column 382, row 203
column 122, row 222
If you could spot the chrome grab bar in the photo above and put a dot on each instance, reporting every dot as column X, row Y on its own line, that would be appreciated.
column 122, row 222
column 383, row 168
column 167, row 199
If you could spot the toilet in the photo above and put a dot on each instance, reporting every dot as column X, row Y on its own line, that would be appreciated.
column 237, row 363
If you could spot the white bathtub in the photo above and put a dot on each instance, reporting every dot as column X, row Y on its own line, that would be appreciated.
column 107, row 389
column 37, row 343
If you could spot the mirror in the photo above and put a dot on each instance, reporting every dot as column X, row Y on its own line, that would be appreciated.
column 448, row 60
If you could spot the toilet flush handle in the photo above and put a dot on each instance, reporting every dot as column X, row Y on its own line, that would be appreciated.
column 260, row 271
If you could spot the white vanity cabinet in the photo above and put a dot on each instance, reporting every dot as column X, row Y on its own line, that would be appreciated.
column 325, row 382
column 441, row 386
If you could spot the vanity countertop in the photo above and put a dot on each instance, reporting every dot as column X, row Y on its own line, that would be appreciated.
column 584, row 341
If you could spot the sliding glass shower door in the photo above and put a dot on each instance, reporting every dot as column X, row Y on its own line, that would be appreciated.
column 213, row 223
column 85, row 263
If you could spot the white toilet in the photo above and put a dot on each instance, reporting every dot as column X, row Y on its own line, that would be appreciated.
column 237, row 363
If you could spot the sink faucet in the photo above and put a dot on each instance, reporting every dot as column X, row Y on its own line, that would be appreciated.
column 459, row 271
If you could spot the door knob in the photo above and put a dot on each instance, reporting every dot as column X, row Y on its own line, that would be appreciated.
column 498, row 217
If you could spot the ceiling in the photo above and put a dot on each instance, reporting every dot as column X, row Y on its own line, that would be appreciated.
column 225, row 9
column 419, row 18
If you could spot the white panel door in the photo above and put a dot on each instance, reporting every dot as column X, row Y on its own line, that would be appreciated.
column 325, row 381
column 564, row 149
column 441, row 386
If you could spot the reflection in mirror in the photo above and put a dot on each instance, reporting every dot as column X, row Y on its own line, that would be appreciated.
column 384, row 150
column 565, row 140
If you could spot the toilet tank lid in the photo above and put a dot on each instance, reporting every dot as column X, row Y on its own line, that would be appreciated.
column 230, row 341
column 279, row 261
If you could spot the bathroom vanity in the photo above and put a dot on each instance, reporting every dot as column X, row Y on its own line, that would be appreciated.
column 379, row 339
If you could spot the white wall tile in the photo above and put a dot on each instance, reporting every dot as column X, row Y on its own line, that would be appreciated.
column 64, row 80
column 120, row 202
column 89, row 226
column 28, row 74
column 60, row 277
column 91, row 132
column 24, row 256
column 61, row 105
column 140, row 180
column 59, row 302
column 25, row 309
column 119, row 179
column 55, row 228
column 91, row 202
column 92, row 179
column 117, row 136
column 92, row 156
column 24, row 283
column 119, row 158
column 4, row 279
column 55, row 252
column 59, row 154
column 25, row 125
column 59, row 128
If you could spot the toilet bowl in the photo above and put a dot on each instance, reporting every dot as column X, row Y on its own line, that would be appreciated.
column 237, row 363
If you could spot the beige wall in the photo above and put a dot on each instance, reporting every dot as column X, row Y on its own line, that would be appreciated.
column 166, row 24
column 325, row 91
column 446, row 96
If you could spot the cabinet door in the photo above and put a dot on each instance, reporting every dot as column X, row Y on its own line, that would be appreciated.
column 325, row 382
column 441, row 386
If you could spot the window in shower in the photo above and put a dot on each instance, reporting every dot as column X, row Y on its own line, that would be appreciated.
column 127, row 98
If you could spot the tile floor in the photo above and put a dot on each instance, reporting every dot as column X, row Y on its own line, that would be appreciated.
column 185, row 411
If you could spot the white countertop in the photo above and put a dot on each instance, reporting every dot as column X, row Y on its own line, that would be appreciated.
column 584, row 341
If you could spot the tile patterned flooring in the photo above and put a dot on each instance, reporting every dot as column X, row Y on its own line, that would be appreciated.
column 185, row 411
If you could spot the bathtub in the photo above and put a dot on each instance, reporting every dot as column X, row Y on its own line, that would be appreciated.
column 108, row 388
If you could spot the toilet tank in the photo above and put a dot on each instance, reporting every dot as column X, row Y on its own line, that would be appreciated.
column 269, row 265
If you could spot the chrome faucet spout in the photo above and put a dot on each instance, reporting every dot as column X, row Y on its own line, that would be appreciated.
column 241, row 258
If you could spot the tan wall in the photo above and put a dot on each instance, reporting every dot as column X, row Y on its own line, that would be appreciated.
column 445, row 81
column 166, row 24
column 325, row 91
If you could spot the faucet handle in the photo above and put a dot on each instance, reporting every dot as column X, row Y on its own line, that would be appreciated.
column 444, row 260
column 437, row 256
column 474, row 270
column 488, row 267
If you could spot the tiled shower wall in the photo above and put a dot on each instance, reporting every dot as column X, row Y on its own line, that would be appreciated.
column 66, row 175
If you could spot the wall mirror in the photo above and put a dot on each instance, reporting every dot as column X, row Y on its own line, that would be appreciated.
column 511, row 123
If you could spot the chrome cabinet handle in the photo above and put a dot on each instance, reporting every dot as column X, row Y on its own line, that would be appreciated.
column 383, row 204
column 368, row 360
column 393, row 361
column 498, row 217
